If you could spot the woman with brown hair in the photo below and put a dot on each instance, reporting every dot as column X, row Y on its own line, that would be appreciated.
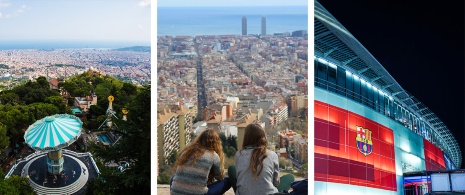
column 257, row 168
column 198, row 165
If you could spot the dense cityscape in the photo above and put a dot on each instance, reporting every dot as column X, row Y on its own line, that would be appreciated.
column 128, row 64
column 225, row 82
column 88, row 102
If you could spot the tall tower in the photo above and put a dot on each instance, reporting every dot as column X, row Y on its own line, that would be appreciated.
column 244, row 25
column 263, row 26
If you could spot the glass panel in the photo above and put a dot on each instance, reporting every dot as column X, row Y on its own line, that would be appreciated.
column 322, row 76
column 332, row 86
column 357, row 89
column 349, row 86
column 370, row 96
column 376, row 102
column 363, row 92
column 341, row 80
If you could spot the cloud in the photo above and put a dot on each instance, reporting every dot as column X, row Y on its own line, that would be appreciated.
column 22, row 9
column 2, row 4
column 145, row 3
column 141, row 27
column 4, row 16
column 10, row 12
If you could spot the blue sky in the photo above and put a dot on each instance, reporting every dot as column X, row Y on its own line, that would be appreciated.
column 232, row 3
column 102, row 20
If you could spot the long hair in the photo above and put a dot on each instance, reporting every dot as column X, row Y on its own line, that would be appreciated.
column 207, row 140
column 254, row 137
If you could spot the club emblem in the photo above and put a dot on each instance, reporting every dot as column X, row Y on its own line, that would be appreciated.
column 364, row 143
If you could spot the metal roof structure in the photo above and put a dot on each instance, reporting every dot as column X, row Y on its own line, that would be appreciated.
column 53, row 132
column 334, row 41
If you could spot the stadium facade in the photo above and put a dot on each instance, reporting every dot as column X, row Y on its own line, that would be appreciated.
column 369, row 131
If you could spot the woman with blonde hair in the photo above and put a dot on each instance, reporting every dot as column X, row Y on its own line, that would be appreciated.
column 257, row 168
column 198, row 165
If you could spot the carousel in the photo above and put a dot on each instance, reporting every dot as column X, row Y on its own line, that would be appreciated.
column 51, row 134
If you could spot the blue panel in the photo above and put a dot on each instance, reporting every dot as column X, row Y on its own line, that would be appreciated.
column 449, row 164
column 328, row 188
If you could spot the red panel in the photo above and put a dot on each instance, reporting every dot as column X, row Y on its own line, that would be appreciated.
column 333, row 115
column 321, row 129
column 333, row 132
column 321, row 110
column 337, row 158
column 338, row 168
column 434, row 158
column 321, row 165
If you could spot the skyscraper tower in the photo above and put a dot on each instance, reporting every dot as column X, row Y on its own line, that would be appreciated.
column 244, row 25
column 263, row 26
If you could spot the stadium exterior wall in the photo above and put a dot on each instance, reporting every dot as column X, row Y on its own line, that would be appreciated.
column 373, row 163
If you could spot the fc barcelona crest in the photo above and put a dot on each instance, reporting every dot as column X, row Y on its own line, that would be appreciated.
column 364, row 143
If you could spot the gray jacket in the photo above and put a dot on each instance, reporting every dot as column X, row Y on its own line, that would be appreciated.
column 267, row 180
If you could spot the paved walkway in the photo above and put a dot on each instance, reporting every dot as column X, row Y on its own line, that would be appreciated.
column 163, row 189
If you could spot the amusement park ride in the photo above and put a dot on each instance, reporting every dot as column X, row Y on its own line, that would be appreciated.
column 111, row 113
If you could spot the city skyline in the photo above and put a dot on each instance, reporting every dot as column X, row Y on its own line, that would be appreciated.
column 118, row 21
column 227, row 20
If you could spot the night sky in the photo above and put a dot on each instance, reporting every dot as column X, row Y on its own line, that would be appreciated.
column 421, row 44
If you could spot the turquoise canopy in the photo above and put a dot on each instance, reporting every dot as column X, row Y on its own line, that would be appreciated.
column 53, row 132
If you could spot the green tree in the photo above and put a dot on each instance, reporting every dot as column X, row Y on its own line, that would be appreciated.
column 68, row 86
column 96, row 110
column 129, row 89
column 166, row 172
column 133, row 147
column 305, row 166
column 57, row 101
column 223, row 139
column 4, row 139
column 35, row 95
column 10, row 98
column 16, row 185
column 229, row 151
column 172, row 158
column 42, row 81
column 42, row 110
column 232, row 141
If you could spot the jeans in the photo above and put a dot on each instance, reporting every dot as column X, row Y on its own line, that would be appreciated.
column 219, row 187
column 215, row 188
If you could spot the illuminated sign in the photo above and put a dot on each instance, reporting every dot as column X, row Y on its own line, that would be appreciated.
column 364, row 142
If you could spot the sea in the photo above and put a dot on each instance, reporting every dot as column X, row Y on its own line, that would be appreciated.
column 66, row 44
column 194, row 21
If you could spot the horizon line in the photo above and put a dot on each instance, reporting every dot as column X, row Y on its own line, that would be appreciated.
column 232, row 6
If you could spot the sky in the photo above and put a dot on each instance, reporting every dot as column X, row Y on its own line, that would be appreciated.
column 103, row 20
column 179, row 3
column 421, row 44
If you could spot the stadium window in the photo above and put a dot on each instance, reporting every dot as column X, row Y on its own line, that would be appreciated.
column 363, row 92
column 332, row 86
column 357, row 89
column 349, row 85
column 381, row 104
column 370, row 96
column 322, row 75
column 375, row 98
column 341, row 81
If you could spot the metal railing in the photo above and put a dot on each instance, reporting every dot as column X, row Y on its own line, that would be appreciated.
column 39, row 153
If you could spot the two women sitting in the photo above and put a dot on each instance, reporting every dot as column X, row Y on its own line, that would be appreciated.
column 256, row 168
